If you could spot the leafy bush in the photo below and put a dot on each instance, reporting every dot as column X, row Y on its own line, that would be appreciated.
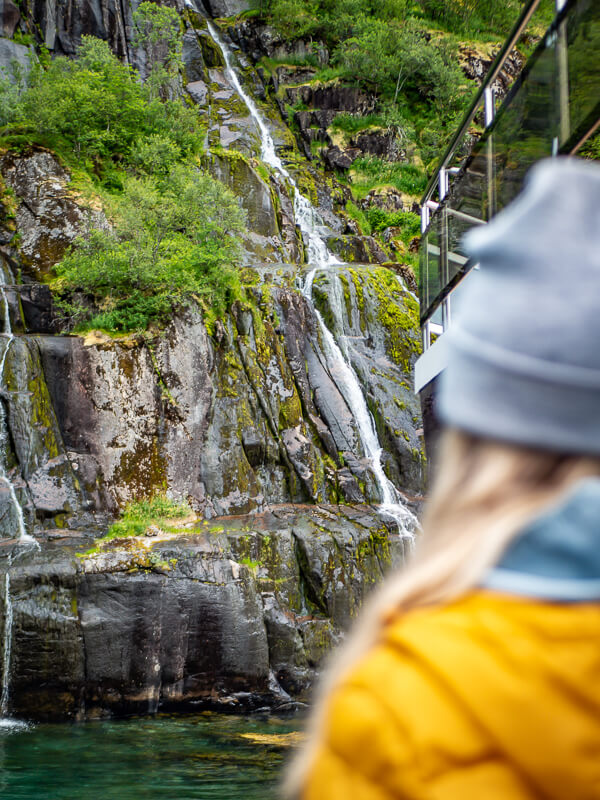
column 359, row 216
column 391, row 58
column 12, row 82
column 158, row 31
column 174, row 237
column 174, row 230
column 294, row 18
column 409, row 223
column 95, row 109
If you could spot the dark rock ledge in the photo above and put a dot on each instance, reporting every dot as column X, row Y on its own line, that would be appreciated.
column 231, row 614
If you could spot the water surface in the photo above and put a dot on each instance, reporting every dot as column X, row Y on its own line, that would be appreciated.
column 164, row 757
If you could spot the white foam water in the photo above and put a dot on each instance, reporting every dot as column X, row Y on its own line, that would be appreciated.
column 24, row 537
column 312, row 229
column 7, row 647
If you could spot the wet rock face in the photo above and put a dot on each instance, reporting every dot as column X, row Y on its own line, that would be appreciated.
column 233, row 616
column 326, row 102
column 250, row 417
column 11, row 52
column 376, row 316
column 48, row 216
column 112, row 410
column 255, row 194
column 32, row 453
column 61, row 25
column 259, row 40
column 227, row 8
column 9, row 18
column 220, row 425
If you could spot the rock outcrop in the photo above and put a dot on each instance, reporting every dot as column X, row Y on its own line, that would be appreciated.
column 237, row 425
column 233, row 615
column 49, row 214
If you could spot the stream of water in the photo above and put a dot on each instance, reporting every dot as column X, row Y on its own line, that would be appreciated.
column 338, row 363
column 9, row 336
column 8, row 620
column 23, row 537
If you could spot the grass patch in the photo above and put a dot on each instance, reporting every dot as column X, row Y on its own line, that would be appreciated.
column 370, row 172
column 308, row 60
column 359, row 216
column 354, row 123
column 137, row 517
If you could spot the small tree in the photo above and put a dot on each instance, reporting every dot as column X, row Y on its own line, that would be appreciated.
column 294, row 18
column 173, row 237
column 394, row 57
column 158, row 31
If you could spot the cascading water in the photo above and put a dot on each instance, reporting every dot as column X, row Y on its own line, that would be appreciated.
column 339, row 366
column 6, row 650
column 9, row 336
column 23, row 536
column 6, row 721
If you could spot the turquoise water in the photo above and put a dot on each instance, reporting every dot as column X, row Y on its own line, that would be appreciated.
column 167, row 757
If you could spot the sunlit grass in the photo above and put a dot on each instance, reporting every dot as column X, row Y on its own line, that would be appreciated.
column 137, row 517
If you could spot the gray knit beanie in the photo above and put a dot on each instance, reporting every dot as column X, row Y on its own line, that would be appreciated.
column 524, row 353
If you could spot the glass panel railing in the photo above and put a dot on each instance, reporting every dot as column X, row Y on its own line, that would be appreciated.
column 549, row 109
column 527, row 125
column 431, row 278
column 583, row 66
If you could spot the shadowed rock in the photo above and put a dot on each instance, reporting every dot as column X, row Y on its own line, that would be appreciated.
column 232, row 616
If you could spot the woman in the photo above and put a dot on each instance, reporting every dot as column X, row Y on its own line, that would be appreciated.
column 476, row 673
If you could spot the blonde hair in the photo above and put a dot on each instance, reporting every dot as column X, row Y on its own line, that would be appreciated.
column 483, row 494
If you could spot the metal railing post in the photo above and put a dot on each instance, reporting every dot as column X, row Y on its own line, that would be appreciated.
column 425, row 217
column 562, row 68
column 426, row 334
column 490, row 112
column 443, row 237
column 446, row 315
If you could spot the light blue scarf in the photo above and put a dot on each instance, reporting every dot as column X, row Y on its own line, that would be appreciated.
column 557, row 556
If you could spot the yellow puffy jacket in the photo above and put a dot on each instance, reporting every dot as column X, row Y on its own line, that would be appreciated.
column 493, row 697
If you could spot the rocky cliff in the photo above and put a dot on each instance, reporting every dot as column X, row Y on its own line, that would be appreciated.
column 247, row 419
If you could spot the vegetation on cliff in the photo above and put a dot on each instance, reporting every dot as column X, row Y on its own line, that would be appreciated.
column 406, row 52
column 136, row 518
column 174, row 230
column 410, row 60
column 173, row 237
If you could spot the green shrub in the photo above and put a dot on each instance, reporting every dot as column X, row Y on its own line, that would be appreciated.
column 473, row 16
column 409, row 223
column 359, row 216
column 93, row 109
column 393, row 58
column 158, row 31
column 294, row 18
column 174, row 237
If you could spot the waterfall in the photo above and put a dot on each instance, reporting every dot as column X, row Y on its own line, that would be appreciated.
column 5, row 721
column 9, row 336
column 319, row 255
column 23, row 536
column 6, row 650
